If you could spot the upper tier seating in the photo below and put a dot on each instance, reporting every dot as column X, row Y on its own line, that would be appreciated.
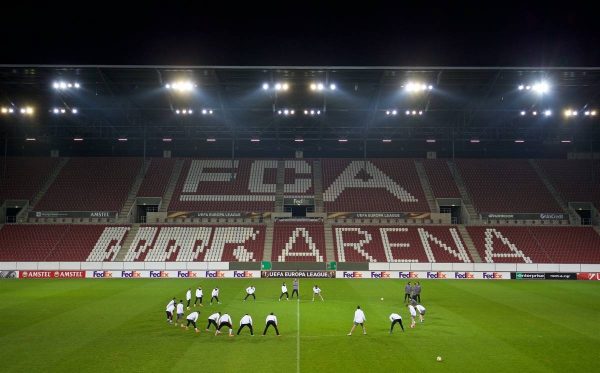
column 350, row 186
column 575, row 180
column 536, row 244
column 23, row 177
column 91, row 184
column 501, row 185
column 399, row 244
column 440, row 178
column 207, row 185
column 157, row 177
column 298, row 241
column 197, row 243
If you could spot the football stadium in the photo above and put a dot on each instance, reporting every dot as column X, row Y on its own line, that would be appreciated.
column 299, row 218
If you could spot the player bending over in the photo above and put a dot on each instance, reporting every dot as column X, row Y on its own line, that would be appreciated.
column 284, row 292
column 212, row 320
column 170, row 310
column 250, row 291
column 191, row 319
column 395, row 319
column 359, row 319
column 421, row 311
column 246, row 321
column 413, row 314
column 317, row 292
column 225, row 320
column 271, row 321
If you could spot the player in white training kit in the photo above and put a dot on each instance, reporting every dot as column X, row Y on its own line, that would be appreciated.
column 170, row 309
column 215, row 295
column 179, row 312
column 191, row 319
column 317, row 292
column 212, row 320
column 199, row 294
column 395, row 319
column 284, row 291
column 359, row 319
column 246, row 321
column 271, row 321
column 413, row 314
column 421, row 311
column 188, row 297
column 225, row 320
column 250, row 291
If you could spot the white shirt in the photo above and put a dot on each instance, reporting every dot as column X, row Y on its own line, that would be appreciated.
column 215, row 292
column 272, row 318
column 171, row 303
column 283, row 289
column 198, row 293
column 395, row 316
column 179, row 307
column 224, row 318
column 359, row 316
column 246, row 320
column 250, row 289
column 193, row 316
column 420, row 308
column 188, row 295
column 316, row 290
column 170, row 307
column 412, row 310
column 214, row 317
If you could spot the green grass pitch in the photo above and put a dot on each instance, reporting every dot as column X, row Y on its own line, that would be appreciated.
column 476, row 326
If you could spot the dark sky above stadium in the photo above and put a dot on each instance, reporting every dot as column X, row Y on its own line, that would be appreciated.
column 302, row 34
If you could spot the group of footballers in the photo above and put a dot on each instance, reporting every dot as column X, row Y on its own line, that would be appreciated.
column 412, row 296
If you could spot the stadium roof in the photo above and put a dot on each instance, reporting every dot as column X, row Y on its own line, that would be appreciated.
column 464, row 110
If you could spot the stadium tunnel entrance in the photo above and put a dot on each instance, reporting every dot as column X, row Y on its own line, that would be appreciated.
column 299, row 206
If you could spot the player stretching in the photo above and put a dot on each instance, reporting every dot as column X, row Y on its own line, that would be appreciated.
column 250, row 291
column 284, row 291
column 359, row 319
column 212, row 320
column 198, row 296
column 246, row 321
column 225, row 320
column 395, row 319
column 170, row 309
column 215, row 296
column 413, row 314
column 317, row 292
column 421, row 311
column 191, row 319
column 271, row 321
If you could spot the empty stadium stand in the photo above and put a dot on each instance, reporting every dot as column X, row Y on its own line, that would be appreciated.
column 213, row 185
column 399, row 244
column 440, row 178
column 298, row 179
column 22, row 177
column 536, row 244
column 505, row 185
column 298, row 241
column 576, row 180
column 346, row 183
column 157, row 177
column 91, row 184
column 197, row 243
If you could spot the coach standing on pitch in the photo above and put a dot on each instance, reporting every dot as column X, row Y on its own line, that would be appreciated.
column 295, row 287
column 407, row 292
column 417, row 290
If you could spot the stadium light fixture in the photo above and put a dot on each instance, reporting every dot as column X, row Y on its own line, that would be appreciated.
column 430, row 141
column 211, row 139
column 30, row 139
column 523, row 113
column 286, row 112
column 570, row 113
column 547, row 113
column 167, row 139
column 122, row 139
column 27, row 110
column 413, row 112
column 519, row 141
column 590, row 113
column 534, row 113
column 342, row 140
column 541, row 87
column 312, row 112
column 7, row 110
column 254, row 139
column 278, row 87
column 184, row 111
column 265, row 86
column 474, row 141
column 417, row 87
column 386, row 141
column 78, row 139
column 298, row 139
column 181, row 86
column 565, row 141
column 65, row 85
column 74, row 111
column 319, row 86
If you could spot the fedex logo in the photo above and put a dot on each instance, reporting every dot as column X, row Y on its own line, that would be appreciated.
column 352, row 275
column 436, row 275
column 186, row 274
column 215, row 274
column 241, row 274
column 380, row 275
column 408, row 275
column 102, row 274
column 158, row 274
column 465, row 275
column 130, row 274
column 492, row 275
